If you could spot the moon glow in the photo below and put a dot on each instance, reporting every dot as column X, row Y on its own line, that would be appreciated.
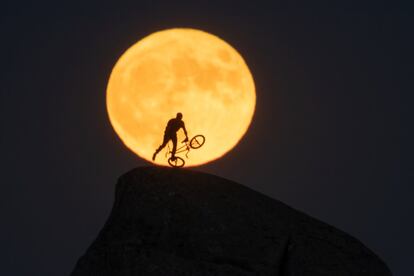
column 181, row 70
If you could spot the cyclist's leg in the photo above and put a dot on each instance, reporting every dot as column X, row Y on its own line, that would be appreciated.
column 174, row 141
column 164, row 143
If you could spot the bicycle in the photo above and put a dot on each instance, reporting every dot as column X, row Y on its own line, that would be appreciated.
column 195, row 143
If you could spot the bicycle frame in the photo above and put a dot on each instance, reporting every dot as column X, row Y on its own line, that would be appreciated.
column 196, row 142
column 180, row 149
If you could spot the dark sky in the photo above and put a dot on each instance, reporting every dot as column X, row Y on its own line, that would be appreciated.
column 325, row 138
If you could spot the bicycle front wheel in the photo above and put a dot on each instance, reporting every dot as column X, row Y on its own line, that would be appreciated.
column 197, row 141
column 178, row 162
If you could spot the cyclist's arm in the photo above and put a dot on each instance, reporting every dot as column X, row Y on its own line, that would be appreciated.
column 185, row 131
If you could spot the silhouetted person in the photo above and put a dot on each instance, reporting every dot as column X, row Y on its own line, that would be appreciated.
column 170, row 133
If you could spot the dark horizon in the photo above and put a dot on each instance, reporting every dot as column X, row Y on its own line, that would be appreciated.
column 325, row 138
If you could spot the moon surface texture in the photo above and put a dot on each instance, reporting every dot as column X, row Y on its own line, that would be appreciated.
column 181, row 70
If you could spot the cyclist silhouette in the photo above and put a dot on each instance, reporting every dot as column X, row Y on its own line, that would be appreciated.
column 170, row 133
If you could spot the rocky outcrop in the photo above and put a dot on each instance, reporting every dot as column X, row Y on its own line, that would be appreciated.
column 181, row 222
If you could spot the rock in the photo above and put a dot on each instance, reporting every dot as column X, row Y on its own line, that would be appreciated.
column 181, row 222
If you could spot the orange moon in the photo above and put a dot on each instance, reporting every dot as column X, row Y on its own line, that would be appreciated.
column 181, row 70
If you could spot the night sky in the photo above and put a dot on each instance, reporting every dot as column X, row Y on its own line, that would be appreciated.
column 325, row 137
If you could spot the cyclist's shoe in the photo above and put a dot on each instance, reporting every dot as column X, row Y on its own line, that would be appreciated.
column 153, row 156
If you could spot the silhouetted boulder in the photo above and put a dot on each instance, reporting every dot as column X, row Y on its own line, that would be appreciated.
column 182, row 222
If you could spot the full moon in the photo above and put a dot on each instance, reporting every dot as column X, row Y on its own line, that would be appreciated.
column 181, row 70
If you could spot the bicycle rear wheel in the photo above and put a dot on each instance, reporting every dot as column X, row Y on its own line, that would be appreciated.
column 197, row 141
column 178, row 162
